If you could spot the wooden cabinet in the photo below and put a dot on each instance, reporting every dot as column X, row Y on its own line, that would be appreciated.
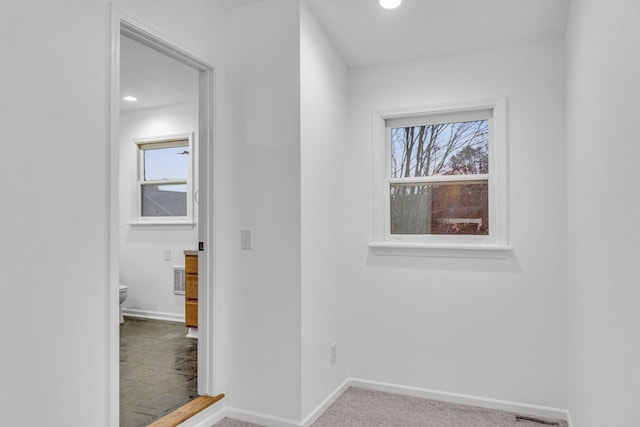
column 191, row 289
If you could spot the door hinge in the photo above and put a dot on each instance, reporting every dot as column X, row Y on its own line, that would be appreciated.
column 201, row 246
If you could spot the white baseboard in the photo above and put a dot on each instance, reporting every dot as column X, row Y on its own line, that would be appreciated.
column 271, row 421
column 465, row 399
column 324, row 405
column 157, row 315
column 259, row 418
column 569, row 420
column 217, row 412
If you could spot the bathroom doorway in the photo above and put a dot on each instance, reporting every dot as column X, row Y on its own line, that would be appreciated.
column 150, row 225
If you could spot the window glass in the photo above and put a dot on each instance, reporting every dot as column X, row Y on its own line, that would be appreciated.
column 426, row 194
column 166, row 163
column 163, row 179
column 459, row 148
column 460, row 207
column 164, row 200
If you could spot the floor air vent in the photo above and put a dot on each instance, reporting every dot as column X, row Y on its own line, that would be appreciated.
column 529, row 420
column 178, row 280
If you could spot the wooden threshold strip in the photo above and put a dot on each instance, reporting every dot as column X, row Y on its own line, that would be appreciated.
column 186, row 411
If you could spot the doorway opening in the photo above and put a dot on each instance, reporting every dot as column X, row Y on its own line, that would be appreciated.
column 151, row 215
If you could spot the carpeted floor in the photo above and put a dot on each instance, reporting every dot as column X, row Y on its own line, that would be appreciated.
column 367, row 408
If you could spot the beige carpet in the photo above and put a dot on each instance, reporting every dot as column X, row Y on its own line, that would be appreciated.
column 366, row 408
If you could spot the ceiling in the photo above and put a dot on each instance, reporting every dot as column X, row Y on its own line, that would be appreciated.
column 365, row 34
column 154, row 78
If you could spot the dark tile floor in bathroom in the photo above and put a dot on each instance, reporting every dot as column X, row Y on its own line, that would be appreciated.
column 158, row 370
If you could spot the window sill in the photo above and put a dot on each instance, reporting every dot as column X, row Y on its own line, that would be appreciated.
column 164, row 225
column 419, row 249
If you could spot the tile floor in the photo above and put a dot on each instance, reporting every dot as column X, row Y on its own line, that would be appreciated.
column 158, row 370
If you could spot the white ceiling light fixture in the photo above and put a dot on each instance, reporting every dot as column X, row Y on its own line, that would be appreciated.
column 130, row 98
column 390, row 4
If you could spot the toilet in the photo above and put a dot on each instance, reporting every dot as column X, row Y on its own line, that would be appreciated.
column 123, row 296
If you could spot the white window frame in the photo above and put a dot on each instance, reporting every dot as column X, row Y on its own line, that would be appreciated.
column 493, row 245
column 138, row 182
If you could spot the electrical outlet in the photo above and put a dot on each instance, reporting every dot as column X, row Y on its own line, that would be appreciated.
column 246, row 239
column 333, row 354
column 167, row 254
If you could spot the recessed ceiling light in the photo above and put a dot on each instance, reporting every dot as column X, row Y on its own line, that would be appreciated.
column 390, row 4
column 130, row 98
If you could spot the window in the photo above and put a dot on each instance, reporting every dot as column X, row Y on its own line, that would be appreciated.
column 164, row 179
column 441, row 177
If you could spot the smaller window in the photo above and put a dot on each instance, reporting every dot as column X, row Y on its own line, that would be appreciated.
column 441, row 176
column 164, row 179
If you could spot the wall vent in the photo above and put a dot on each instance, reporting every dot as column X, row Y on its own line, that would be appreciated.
column 178, row 280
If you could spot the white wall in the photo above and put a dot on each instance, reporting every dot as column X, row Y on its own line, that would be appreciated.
column 490, row 328
column 143, row 267
column 53, row 169
column 54, row 239
column 198, row 26
column 604, row 319
column 263, row 284
column 323, row 86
